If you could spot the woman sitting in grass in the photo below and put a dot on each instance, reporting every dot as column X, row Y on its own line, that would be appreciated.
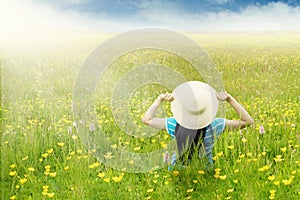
column 194, row 106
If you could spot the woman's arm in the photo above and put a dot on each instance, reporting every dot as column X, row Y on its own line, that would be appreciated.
column 245, row 118
column 149, row 117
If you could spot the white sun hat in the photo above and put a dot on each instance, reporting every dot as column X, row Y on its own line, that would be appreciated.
column 195, row 105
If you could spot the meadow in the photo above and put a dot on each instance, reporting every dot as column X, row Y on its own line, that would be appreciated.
column 42, row 156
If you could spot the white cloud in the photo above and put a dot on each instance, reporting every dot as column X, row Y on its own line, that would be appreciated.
column 220, row 2
column 18, row 17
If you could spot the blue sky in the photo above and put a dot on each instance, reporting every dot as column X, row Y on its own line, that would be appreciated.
column 123, row 15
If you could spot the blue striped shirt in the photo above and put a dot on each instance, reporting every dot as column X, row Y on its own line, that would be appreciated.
column 218, row 126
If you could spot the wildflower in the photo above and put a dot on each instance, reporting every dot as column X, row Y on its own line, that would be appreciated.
column 272, row 191
column 117, row 178
column 61, row 144
column 47, row 167
column 92, row 127
column 45, row 187
column 136, row 148
column 17, row 186
column 31, row 169
column 22, row 180
column 74, row 137
column 66, row 168
column 101, row 174
column 25, row 158
column 166, row 182
column 283, row 149
column 229, row 197
column 222, row 177
column 50, row 195
column 13, row 197
column 230, row 190
column 261, row 130
column 13, row 173
column 271, row 178
column 12, row 166
column 50, row 151
column 236, row 171
column 190, row 190
column 107, row 180
column 53, row 174
column 195, row 181
column 278, row 158
column 235, row 181
column 220, row 154
column 264, row 153
column 45, row 155
column 154, row 181
column 131, row 162
column 276, row 182
column 201, row 172
column 242, row 156
column 150, row 190
column 244, row 140
column 230, row 147
column 287, row 182
column 175, row 173
column 293, row 172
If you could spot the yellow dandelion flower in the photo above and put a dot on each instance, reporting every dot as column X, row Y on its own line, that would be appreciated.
column 271, row 178
column 222, row 177
column 230, row 190
column 238, row 161
column 272, row 191
column 61, row 144
column 6, row 142
column 201, row 172
column 13, row 197
column 101, row 174
column 264, row 153
column 236, row 171
column 12, row 166
column 214, row 158
column 66, row 168
column 13, row 173
column 230, row 147
column 188, row 197
column 107, row 180
column 23, row 180
column 296, row 146
column 50, row 195
column 53, row 174
column 72, row 153
column 25, row 158
column 216, row 176
column 117, row 178
column 74, row 137
column 283, row 149
column 50, row 151
column 190, row 190
column 242, row 156
column 287, row 182
column 266, row 167
column 46, row 173
column 154, row 181
column 249, row 154
column 17, row 186
column 220, row 154
column 195, row 181
column 45, row 187
column 294, row 172
column 244, row 140
column 79, row 151
column 166, row 182
column 229, row 197
column 137, row 148
column 271, row 197
column 45, row 155
column 175, row 173
column 31, row 169
column 41, row 160
column 235, row 181
column 217, row 170
column 150, row 190
column 113, row 146
column 47, row 167
column 276, row 182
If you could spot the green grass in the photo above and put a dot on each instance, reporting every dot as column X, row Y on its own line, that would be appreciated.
column 260, row 70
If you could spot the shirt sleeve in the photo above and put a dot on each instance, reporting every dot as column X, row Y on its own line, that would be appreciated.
column 171, row 126
column 218, row 126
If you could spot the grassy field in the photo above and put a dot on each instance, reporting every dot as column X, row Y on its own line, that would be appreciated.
column 42, row 156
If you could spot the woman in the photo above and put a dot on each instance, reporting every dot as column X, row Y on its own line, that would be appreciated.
column 194, row 105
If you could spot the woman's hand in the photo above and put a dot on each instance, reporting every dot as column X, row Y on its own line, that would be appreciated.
column 166, row 97
column 223, row 96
